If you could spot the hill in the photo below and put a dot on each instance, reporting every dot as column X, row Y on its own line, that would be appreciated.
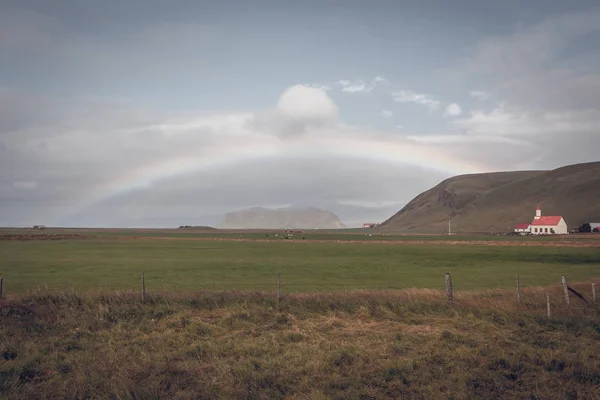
column 497, row 201
column 198, row 227
column 281, row 218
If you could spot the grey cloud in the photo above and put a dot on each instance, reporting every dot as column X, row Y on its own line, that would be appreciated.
column 27, row 30
column 277, row 122
column 542, row 65
column 542, row 111
column 86, row 152
column 542, row 93
column 271, row 182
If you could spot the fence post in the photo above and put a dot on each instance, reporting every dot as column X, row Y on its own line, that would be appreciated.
column 593, row 291
column 565, row 290
column 1, row 281
column 143, row 288
column 449, row 287
column 548, row 305
column 278, row 289
column 518, row 291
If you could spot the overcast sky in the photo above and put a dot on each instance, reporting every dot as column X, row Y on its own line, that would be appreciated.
column 154, row 113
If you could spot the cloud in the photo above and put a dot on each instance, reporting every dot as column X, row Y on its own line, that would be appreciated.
column 546, row 89
column 300, row 108
column 353, row 87
column 91, row 161
column 453, row 110
column 308, row 104
column 318, row 86
column 543, row 66
column 26, row 30
column 360, row 86
column 386, row 113
column 502, row 121
column 25, row 184
column 103, row 163
column 407, row 96
column 478, row 94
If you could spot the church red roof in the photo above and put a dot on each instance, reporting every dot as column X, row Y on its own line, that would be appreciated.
column 548, row 220
column 522, row 226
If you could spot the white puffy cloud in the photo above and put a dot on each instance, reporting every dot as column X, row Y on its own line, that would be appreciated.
column 308, row 104
column 407, row 96
column 299, row 110
column 453, row 110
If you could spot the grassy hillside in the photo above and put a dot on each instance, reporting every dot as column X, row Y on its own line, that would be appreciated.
column 498, row 201
column 356, row 345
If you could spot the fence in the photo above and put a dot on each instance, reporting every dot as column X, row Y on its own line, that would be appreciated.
column 567, row 293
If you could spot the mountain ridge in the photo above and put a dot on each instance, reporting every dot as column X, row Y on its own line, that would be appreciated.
column 497, row 201
column 281, row 218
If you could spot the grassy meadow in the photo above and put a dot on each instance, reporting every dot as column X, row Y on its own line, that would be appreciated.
column 180, row 263
column 73, row 324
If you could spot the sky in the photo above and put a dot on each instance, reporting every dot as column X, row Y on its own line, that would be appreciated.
column 148, row 113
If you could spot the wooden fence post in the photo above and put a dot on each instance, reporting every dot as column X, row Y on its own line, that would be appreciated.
column 143, row 288
column 518, row 291
column 593, row 291
column 278, row 289
column 1, row 281
column 548, row 305
column 449, row 287
column 565, row 290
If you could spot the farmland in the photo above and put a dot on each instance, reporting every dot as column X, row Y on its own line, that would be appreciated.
column 187, row 261
column 360, row 317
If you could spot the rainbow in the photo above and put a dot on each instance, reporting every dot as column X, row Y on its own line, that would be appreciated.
column 392, row 152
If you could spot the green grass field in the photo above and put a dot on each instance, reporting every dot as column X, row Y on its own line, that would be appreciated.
column 340, row 343
column 109, row 263
column 333, row 235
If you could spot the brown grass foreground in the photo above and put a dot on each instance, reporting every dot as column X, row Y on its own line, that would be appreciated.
column 349, row 345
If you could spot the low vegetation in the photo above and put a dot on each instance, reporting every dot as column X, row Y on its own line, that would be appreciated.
column 347, row 345
column 184, row 264
column 73, row 323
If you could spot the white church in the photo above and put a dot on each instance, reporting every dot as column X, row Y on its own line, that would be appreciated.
column 544, row 225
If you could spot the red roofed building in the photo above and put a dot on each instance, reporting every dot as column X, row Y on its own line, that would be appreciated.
column 523, row 228
column 547, row 225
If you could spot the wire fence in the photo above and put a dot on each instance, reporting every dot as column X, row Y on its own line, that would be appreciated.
column 554, row 300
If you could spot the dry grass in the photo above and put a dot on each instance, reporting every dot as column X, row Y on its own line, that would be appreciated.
column 239, row 345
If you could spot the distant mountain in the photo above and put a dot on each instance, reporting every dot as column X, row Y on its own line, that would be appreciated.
column 498, row 201
column 169, row 222
column 281, row 218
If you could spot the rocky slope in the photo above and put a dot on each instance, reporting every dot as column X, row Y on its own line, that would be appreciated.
column 281, row 218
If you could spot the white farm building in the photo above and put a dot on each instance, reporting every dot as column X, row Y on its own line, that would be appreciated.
column 523, row 229
column 547, row 225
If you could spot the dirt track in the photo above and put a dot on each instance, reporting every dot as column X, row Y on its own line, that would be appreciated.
column 42, row 237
